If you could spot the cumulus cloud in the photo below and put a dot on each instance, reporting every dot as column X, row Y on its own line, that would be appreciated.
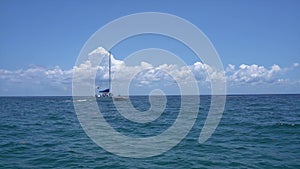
column 143, row 74
column 36, row 80
column 37, row 75
column 252, row 74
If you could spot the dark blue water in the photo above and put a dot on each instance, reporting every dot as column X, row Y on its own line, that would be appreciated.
column 256, row 131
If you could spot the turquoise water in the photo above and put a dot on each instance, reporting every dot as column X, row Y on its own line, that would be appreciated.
column 256, row 131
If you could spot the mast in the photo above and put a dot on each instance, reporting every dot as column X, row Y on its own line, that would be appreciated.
column 109, row 72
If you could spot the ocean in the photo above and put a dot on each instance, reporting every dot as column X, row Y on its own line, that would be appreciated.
column 256, row 131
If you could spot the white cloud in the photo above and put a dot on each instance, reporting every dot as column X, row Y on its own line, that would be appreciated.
column 36, row 75
column 295, row 64
column 99, row 50
column 145, row 74
column 230, row 68
column 36, row 80
column 253, row 74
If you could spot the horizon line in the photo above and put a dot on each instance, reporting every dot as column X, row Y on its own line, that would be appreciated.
column 235, row 94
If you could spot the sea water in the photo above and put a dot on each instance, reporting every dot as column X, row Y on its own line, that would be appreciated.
column 256, row 131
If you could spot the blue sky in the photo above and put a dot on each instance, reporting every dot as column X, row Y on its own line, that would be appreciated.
column 48, row 35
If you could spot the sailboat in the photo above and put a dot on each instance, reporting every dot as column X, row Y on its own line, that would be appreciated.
column 106, row 93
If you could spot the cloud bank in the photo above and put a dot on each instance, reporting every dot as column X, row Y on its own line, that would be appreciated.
column 36, row 79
